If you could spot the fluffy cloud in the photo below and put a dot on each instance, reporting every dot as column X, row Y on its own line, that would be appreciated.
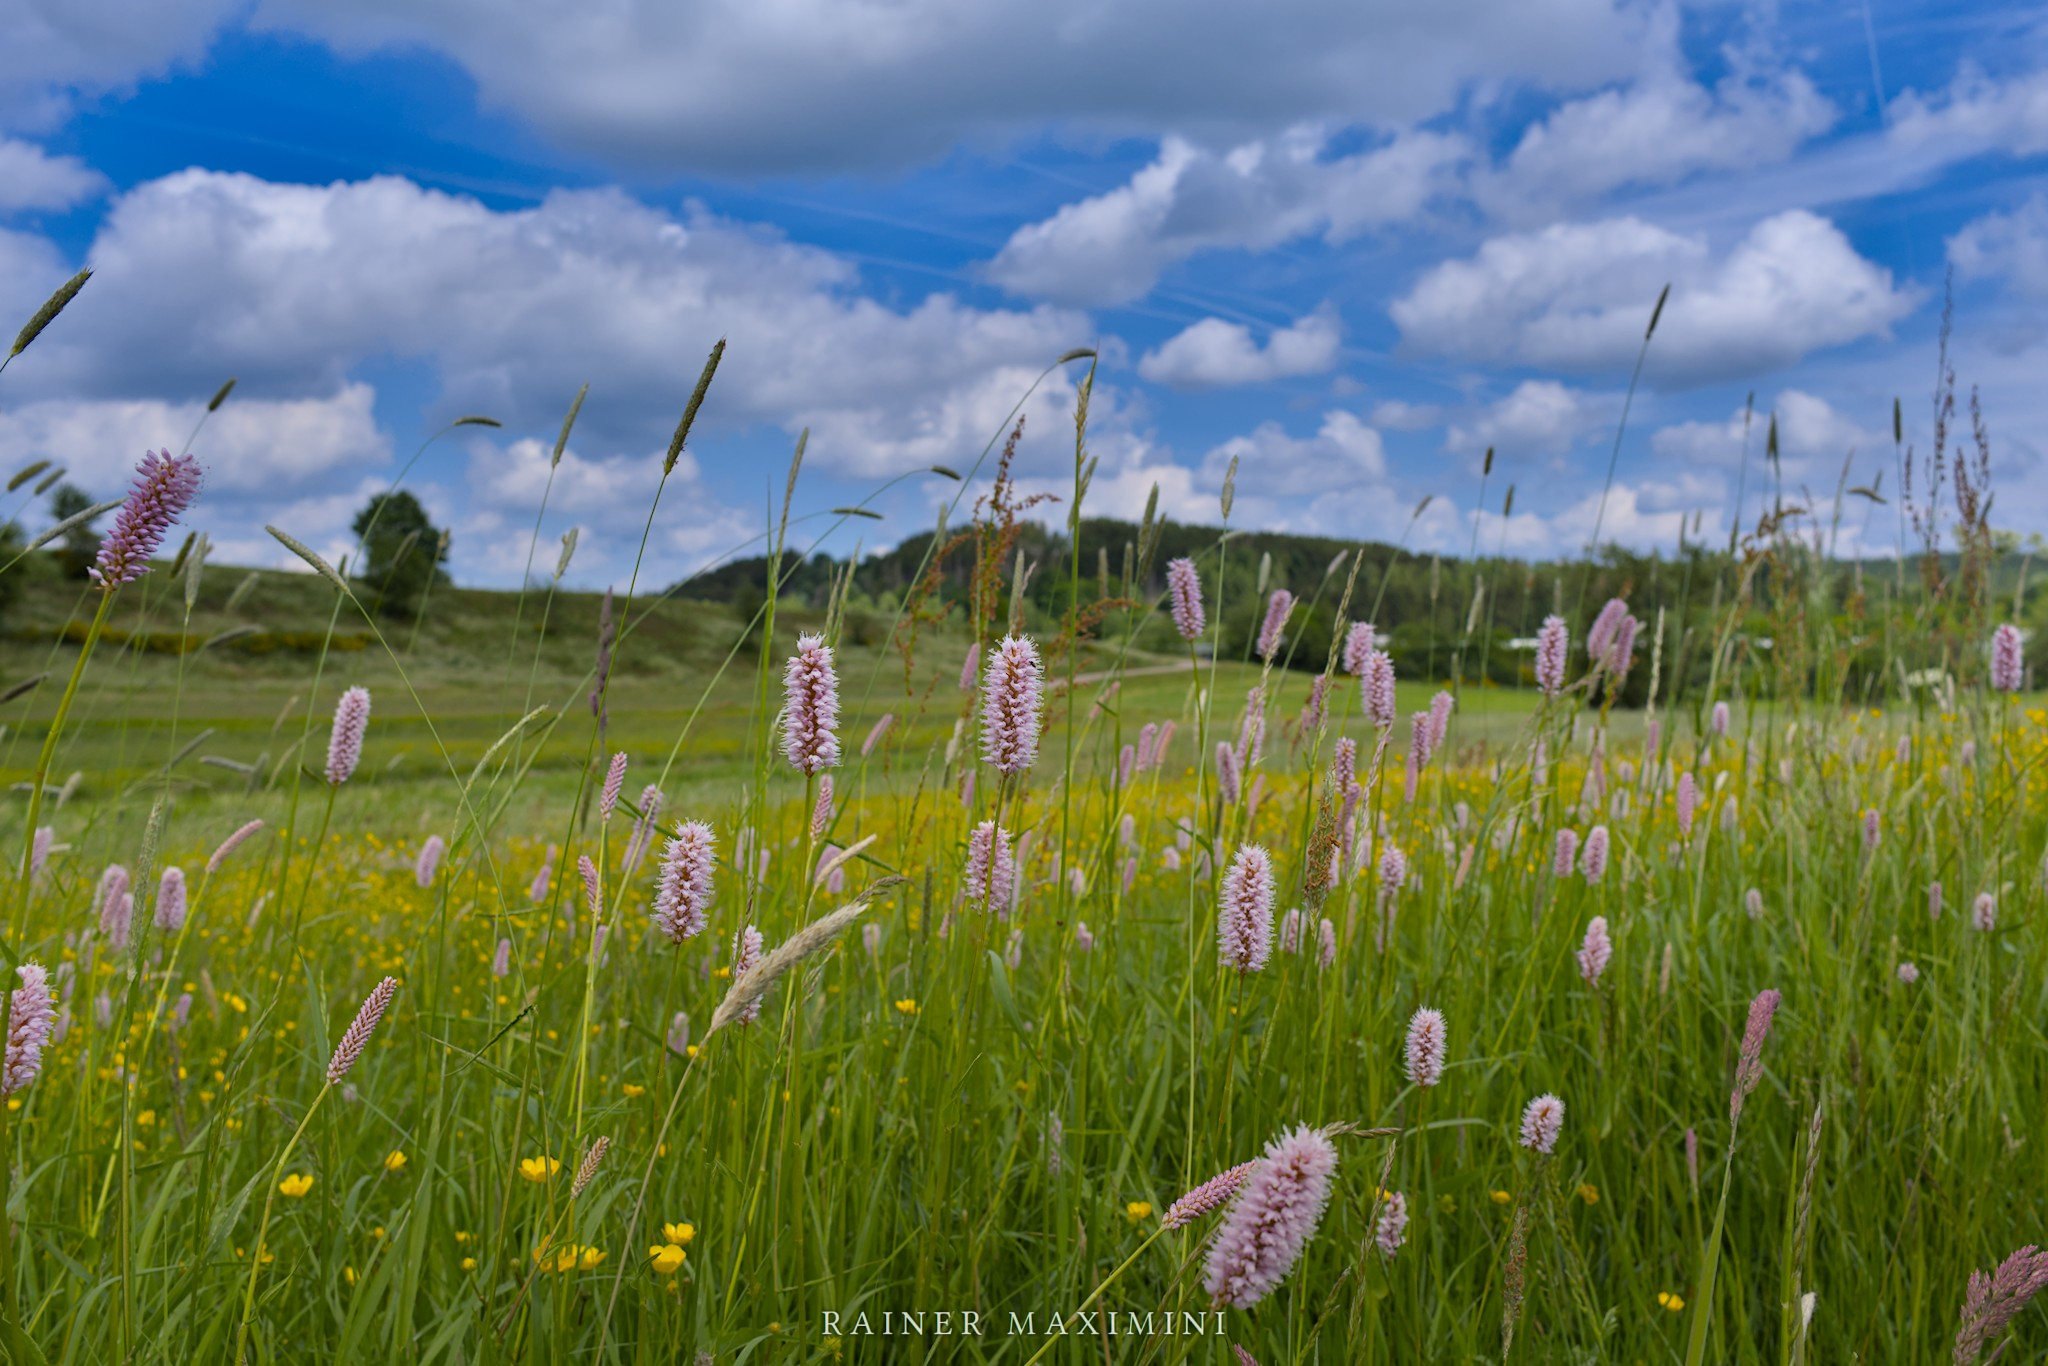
column 1577, row 296
column 1343, row 454
column 52, row 50
column 256, row 446
column 1656, row 132
column 1214, row 354
column 31, row 178
column 1112, row 247
column 1540, row 415
column 805, row 85
column 291, row 287
column 1813, row 439
column 2006, row 245
column 1976, row 113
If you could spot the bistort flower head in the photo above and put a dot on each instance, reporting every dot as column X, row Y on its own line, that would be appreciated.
column 1272, row 1220
column 1244, row 913
column 1208, row 1197
column 2008, row 665
column 1595, row 952
column 32, row 1013
column 682, row 898
column 1542, row 1121
column 1426, row 1047
column 1358, row 643
column 1553, row 645
column 1749, row 1066
column 991, row 874
column 170, row 900
column 1184, row 593
column 164, row 487
column 357, row 1036
column 810, row 707
column 429, row 861
column 1013, row 697
column 1279, row 607
column 1376, row 689
column 345, row 741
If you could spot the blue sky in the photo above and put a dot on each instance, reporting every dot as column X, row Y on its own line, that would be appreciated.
column 1351, row 244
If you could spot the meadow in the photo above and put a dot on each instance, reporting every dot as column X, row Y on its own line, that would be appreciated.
column 634, row 981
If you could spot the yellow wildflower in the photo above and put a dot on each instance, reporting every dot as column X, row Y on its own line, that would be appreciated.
column 1670, row 1301
column 295, row 1185
column 1138, row 1209
column 1589, row 1193
column 539, row 1168
column 666, row 1258
column 679, row 1234
column 633, row 1091
column 1501, row 1197
column 394, row 1161
column 907, row 1006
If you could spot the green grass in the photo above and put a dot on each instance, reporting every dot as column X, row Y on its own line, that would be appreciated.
column 950, row 1110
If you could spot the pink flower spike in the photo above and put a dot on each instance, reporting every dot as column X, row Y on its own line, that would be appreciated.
column 1184, row 593
column 1426, row 1047
column 1013, row 697
column 1596, row 951
column 2008, row 666
column 1566, row 856
column 1749, row 1067
column 345, row 741
column 164, row 487
column 682, row 898
column 1279, row 607
column 1593, row 858
column 1542, row 1122
column 32, row 1014
column 1376, row 688
column 810, row 707
column 1553, row 645
column 881, row 729
column 614, row 785
column 593, row 890
column 1272, row 1220
column 230, row 844
column 991, row 868
column 746, row 952
column 429, row 861
column 1244, row 916
column 170, row 900
column 1688, row 804
column 1358, row 643
column 970, row 667
column 1392, row 1229
column 357, row 1037
column 1208, row 1197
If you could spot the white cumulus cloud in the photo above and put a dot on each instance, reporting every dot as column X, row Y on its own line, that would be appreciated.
column 1578, row 296
column 1214, row 354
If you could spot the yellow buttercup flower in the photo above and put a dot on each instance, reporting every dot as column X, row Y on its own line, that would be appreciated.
column 1501, row 1197
column 1670, row 1301
column 295, row 1185
column 1589, row 1193
column 906, row 1006
column 348, row 1273
column 539, row 1168
column 632, row 1091
column 469, row 1263
column 591, row 1257
column 1138, row 1209
column 666, row 1258
column 394, row 1161
column 679, row 1234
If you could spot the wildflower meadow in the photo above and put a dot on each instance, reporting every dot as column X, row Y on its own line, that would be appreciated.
column 1061, row 957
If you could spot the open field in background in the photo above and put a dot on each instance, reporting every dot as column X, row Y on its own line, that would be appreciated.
column 1687, row 1009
